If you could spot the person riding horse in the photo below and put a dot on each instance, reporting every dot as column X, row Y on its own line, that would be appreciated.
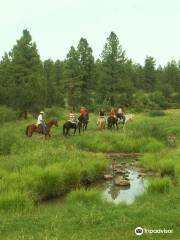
column 72, row 117
column 113, row 113
column 101, row 122
column 84, row 117
column 84, row 113
column 120, row 116
column 112, row 119
column 41, row 122
column 73, row 122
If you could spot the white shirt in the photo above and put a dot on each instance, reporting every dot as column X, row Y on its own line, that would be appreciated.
column 40, row 119
column 120, row 110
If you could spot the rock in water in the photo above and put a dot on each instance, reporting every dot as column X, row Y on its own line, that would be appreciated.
column 108, row 176
column 120, row 171
column 120, row 181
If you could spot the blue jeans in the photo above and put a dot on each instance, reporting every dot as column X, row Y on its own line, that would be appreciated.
column 43, row 127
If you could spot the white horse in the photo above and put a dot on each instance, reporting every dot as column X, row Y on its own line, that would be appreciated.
column 128, row 117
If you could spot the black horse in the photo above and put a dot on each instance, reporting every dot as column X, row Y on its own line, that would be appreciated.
column 68, row 125
column 83, row 119
column 112, row 122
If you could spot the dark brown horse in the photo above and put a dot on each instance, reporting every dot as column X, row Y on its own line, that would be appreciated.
column 30, row 129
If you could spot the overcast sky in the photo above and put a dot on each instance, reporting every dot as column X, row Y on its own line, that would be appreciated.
column 144, row 27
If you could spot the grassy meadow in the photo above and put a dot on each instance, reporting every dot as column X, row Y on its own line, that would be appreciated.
column 34, row 171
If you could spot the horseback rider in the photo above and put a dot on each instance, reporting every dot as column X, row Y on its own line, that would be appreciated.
column 101, row 116
column 113, row 113
column 84, row 113
column 120, row 115
column 101, row 113
column 72, row 117
column 41, row 123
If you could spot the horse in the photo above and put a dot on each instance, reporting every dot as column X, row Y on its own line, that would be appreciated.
column 68, row 125
column 112, row 122
column 101, row 123
column 83, row 119
column 30, row 129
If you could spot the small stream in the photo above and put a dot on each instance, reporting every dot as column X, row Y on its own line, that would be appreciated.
column 127, row 194
column 123, row 182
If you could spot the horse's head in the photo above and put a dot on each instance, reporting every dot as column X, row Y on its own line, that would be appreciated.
column 53, row 122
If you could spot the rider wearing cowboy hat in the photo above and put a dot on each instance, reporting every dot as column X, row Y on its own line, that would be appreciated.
column 41, row 123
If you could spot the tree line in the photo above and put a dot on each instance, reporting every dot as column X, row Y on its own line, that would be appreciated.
column 28, row 84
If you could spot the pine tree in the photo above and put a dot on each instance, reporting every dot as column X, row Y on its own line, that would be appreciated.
column 49, row 82
column 58, row 74
column 5, row 80
column 113, row 58
column 149, row 74
column 86, row 61
column 73, row 78
column 27, row 75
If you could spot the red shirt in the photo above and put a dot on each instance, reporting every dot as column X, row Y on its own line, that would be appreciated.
column 83, row 111
column 113, row 114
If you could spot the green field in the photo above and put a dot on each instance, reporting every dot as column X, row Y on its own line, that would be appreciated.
column 34, row 171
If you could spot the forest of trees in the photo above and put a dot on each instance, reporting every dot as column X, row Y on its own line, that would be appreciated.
column 28, row 84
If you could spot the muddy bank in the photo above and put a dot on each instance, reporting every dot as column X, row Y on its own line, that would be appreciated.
column 121, row 155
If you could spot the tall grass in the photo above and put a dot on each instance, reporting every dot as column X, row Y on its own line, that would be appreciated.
column 15, row 201
column 84, row 196
column 160, row 185
column 7, row 139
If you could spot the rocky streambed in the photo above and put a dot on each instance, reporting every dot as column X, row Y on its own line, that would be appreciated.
column 124, row 180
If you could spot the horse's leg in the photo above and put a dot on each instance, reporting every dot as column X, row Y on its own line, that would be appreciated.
column 74, row 130
column 68, row 132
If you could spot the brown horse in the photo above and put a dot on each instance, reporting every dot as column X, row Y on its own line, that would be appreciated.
column 30, row 129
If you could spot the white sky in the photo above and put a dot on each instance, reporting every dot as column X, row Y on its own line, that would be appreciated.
column 144, row 27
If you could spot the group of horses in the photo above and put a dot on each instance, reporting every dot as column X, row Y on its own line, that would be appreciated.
column 80, row 125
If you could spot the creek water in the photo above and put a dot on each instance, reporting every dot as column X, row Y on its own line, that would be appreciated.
column 117, row 194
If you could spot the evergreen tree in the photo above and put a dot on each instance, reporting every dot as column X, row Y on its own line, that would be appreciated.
column 49, row 82
column 149, row 74
column 27, row 75
column 113, row 58
column 73, row 78
column 87, row 70
column 58, row 74
column 5, row 80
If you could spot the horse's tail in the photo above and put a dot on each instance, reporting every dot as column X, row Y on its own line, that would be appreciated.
column 27, row 131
